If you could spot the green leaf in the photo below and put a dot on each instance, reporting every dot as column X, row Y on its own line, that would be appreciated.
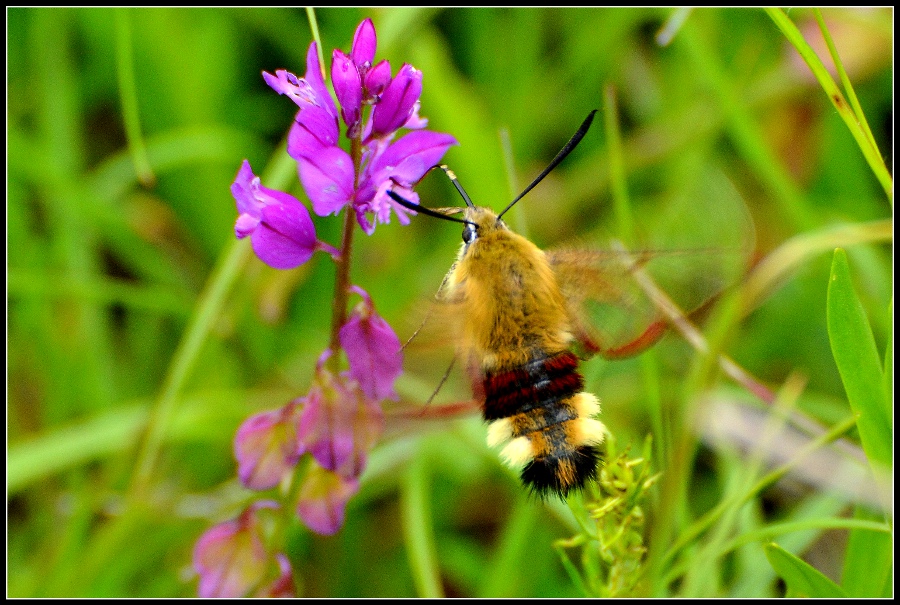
column 802, row 579
column 867, row 564
column 858, row 362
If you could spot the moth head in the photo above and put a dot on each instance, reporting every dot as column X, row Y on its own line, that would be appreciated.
column 480, row 222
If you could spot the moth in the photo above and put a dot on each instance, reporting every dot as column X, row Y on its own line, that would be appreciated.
column 520, row 324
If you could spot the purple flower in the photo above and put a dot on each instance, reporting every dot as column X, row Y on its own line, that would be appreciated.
column 397, row 166
column 397, row 102
column 323, row 500
column 231, row 557
column 310, row 91
column 339, row 425
column 364, row 43
column 373, row 350
column 376, row 80
column 349, row 88
column 279, row 226
column 266, row 447
column 328, row 173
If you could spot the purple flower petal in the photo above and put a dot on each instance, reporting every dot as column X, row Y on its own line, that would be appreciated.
column 327, row 179
column 348, row 86
column 323, row 500
column 373, row 351
column 244, row 190
column 339, row 425
column 266, row 447
column 286, row 237
column 397, row 102
column 407, row 159
column 230, row 557
column 308, row 91
column 364, row 43
column 312, row 131
column 365, row 224
column 377, row 79
column 399, row 165
column 334, row 446
column 278, row 224
column 245, row 225
column 415, row 122
column 325, row 427
column 382, row 203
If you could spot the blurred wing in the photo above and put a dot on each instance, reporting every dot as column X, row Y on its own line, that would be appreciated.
column 611, row 313
column 701, row 237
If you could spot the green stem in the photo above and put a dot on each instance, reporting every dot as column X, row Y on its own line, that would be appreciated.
column 341, row 283
column 314, row 26
column 871, row 153
column 342, row 274
column 845, row 79
column 417, row 530
column 128, row 97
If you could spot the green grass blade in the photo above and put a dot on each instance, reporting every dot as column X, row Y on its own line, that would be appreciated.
column 869, row 558
column 417, row 530
column 62, row 449
column 128, row 97
column 801, row 578
column 853, row 347
column 845, row 79
column 871, row 153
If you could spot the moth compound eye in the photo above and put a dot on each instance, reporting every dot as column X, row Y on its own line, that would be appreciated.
column 469, row 233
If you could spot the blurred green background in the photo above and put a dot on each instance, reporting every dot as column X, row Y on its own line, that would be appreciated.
column 106, row 271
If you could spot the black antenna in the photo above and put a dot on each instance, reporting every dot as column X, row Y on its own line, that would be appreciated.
column 416, row 208
column 572, row 144
column 456, row 183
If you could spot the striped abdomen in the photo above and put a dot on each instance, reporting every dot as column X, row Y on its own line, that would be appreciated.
column 540, row 409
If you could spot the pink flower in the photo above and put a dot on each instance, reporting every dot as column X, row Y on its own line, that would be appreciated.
column 231, row 557
column 373, row 350
column 397, row 102
column 323, row 500
column 267, row 447
column 326, row 170
column 339, row 425
column 279, row 226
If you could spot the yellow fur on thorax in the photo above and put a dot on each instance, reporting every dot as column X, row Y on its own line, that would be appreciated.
column 511, row 303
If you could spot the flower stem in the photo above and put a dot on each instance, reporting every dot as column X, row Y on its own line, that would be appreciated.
column 342, row 275
column 341, row 285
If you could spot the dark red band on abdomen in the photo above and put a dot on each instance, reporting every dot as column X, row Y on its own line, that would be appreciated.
column 539, row 383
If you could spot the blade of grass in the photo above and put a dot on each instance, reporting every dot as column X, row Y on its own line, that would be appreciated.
column 869, row 557
column 209, row 304
column 650, row 371
column 511, row 554
column 777, row 529
column 112, row 432
column 801, row 577
column 207, row 311
column 793, row 253
column 560, row 546
column 746, row 473
column 417, row 529
column 128, row 98
column 745, row 132
column 845, row 80
column 853, row 122
column 858, row 362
